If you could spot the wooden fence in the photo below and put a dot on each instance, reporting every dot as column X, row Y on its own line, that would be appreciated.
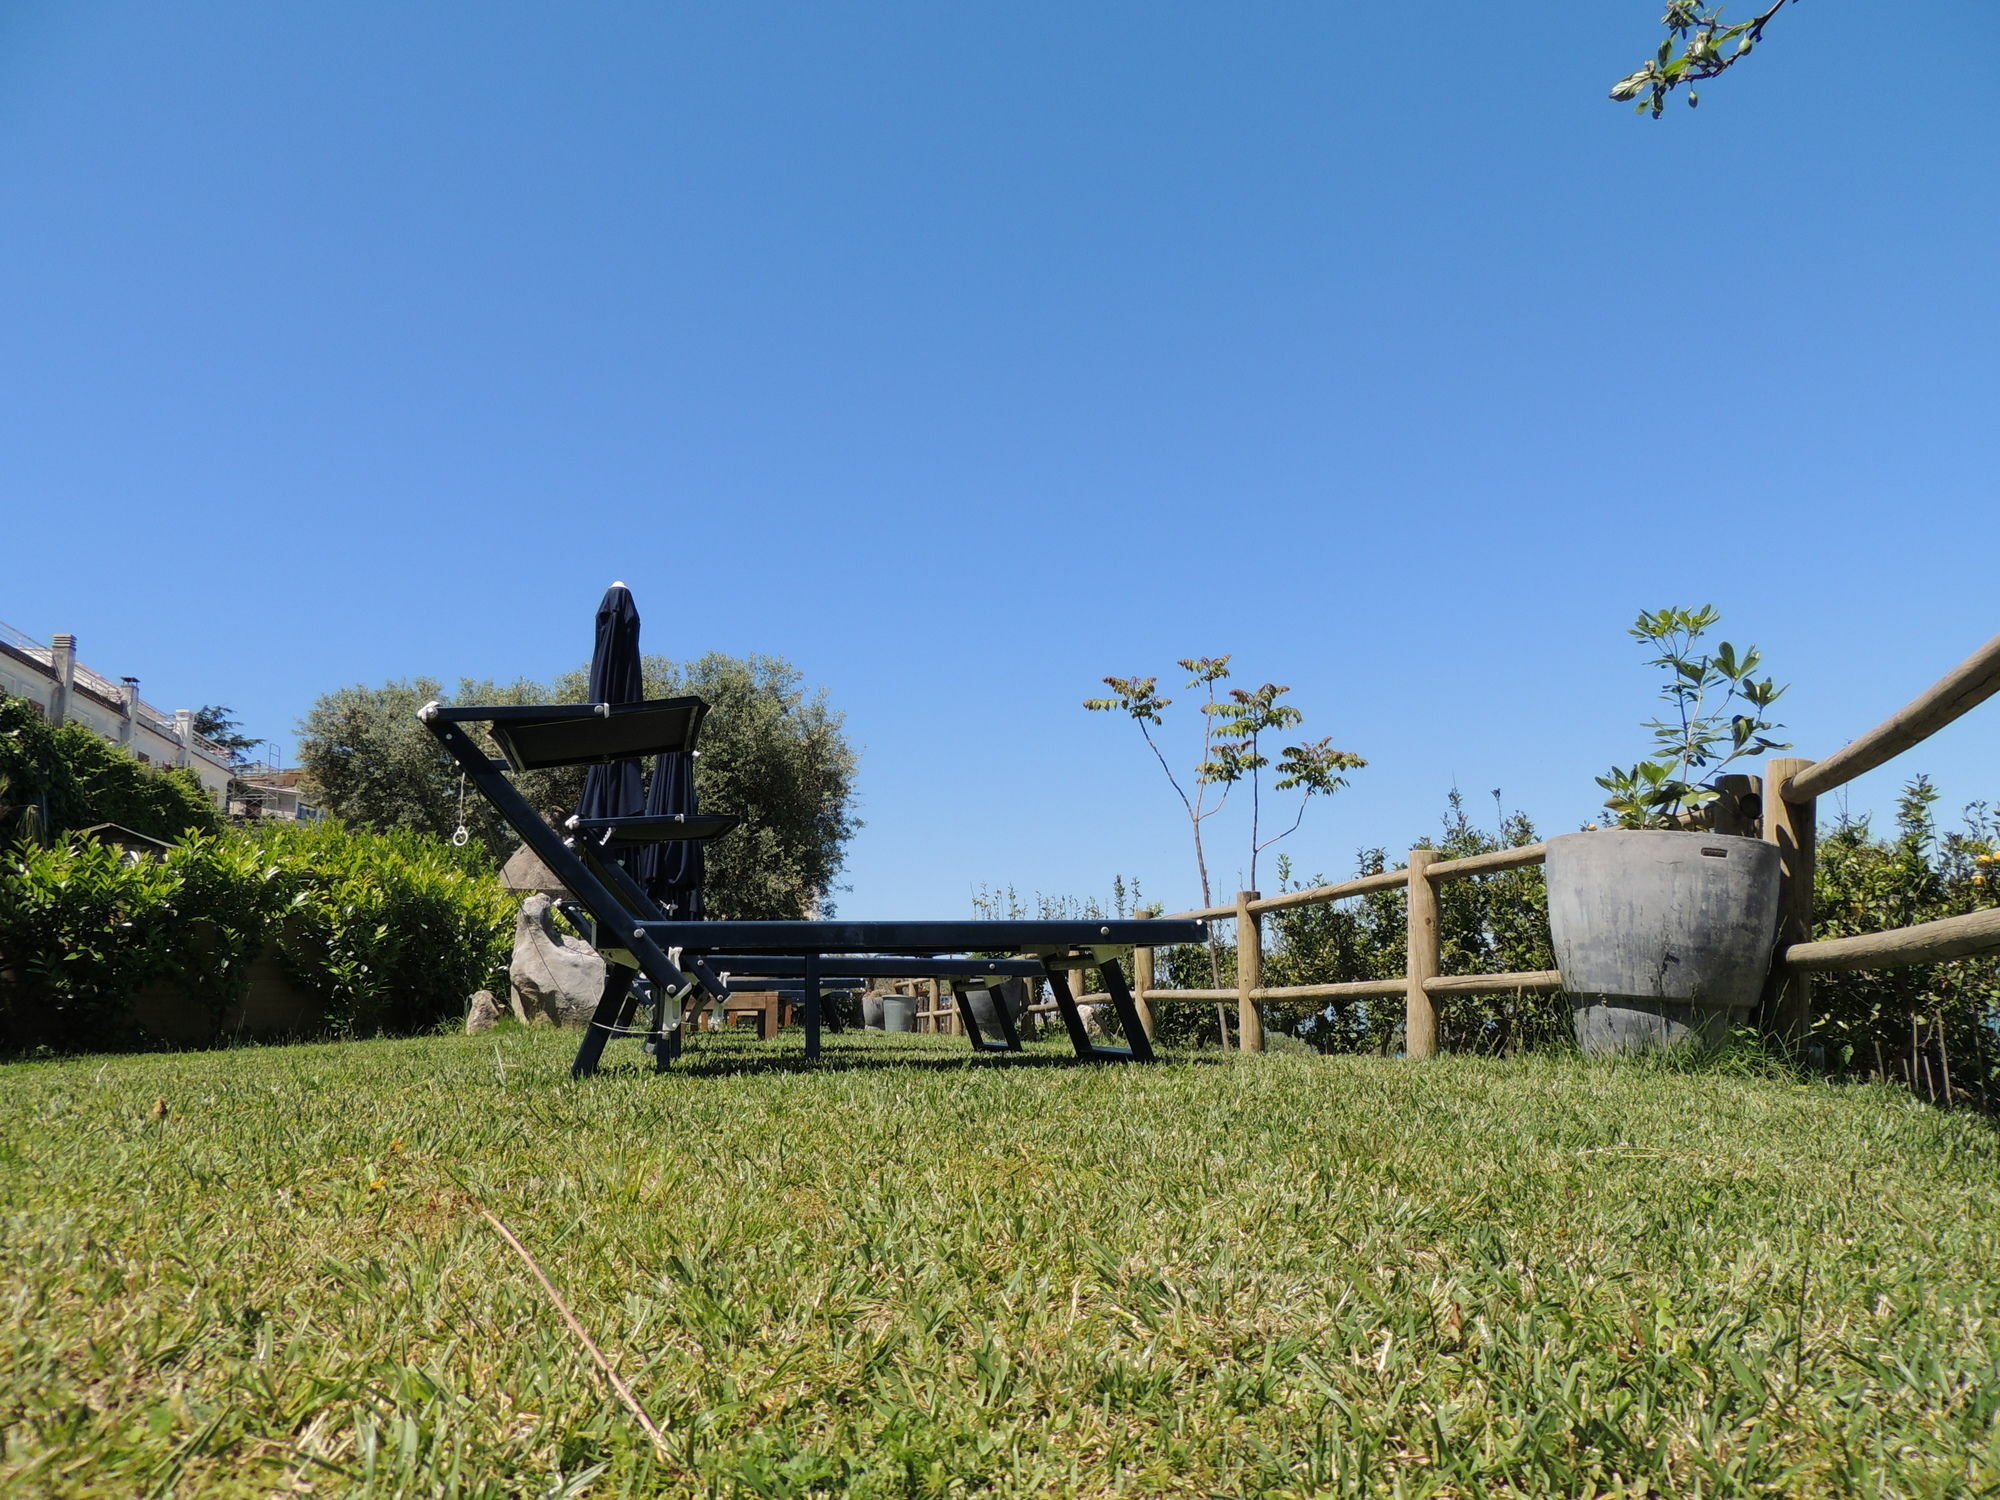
column 1788, row 819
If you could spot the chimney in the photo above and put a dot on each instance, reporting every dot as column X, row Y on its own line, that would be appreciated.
column 62, row 660
column 128, row 704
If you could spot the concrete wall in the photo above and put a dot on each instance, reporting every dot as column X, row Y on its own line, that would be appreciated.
column 22, row 677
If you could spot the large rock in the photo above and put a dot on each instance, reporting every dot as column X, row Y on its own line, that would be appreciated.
column 484, row 1015
column 557, row 979
column 524, row 871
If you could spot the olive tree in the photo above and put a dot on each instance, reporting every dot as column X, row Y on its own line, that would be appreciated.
column 772, row 751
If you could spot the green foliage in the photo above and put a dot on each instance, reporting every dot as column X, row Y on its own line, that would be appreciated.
column 55, row 779
column 390, row 932
column 1488, row 924
column 81, row 928
column 373, row 765
column 29, row 770
column 1708, row 47
column 103, row 784
column 1701, row 736
column 1186, row 1024
column 772, row 752
column 918, row 1273
column 1933, row 1026
column 1312, row 769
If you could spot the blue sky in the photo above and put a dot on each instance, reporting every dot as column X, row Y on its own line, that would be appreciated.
column 963, row 354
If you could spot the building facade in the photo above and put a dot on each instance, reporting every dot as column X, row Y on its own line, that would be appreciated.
column 68, row 692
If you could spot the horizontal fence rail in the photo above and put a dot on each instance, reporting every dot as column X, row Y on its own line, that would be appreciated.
column 1926, row 943
column 1420, row 981
column 1970, row 684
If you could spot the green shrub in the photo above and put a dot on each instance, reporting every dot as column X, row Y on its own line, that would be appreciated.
column 1932, row 1026
column 81, row 929
column 1489, row 924
column 29, row 769
column 102, row 783
column 389, row 932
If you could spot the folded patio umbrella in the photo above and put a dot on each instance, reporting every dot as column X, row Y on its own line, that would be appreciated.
column 677, row 881
column 618, row 790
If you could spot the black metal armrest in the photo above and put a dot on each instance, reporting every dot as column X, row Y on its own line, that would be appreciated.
column 663, row 828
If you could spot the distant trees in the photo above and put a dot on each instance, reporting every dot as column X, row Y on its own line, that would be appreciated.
column 216, row 723
column 772, row 751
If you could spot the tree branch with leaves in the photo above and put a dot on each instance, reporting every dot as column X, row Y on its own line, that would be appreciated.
column 1310, row 769
column 1706, row 51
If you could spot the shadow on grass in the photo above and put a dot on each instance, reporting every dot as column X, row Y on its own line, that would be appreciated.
column 707, row 1059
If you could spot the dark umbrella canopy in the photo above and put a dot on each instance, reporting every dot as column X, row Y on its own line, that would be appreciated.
column 617, row 675
column 676, row 884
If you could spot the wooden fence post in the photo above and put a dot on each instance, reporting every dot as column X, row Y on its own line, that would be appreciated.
column 1419, row 1014
column 1142, row 981
column 1249, row 973
column 1794, row 828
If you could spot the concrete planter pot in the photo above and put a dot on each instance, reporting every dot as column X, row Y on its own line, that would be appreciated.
column 899, row 1013
column 1662, row 938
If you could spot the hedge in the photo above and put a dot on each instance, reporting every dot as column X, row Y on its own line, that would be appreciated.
column 389, row 932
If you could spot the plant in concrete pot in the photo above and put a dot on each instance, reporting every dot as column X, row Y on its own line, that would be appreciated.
column 1662, row 928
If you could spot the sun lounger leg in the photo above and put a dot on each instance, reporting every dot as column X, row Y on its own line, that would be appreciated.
column 604, row 1020
column 1128, row 1011
column 810, row 984
column 1079, row 1034
column 962, row 997
column 1009, row 1040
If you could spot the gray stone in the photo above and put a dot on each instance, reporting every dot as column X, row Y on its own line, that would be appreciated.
column 484, row 1014
column 524, row 871
column 557, row 980
column 871, row 1010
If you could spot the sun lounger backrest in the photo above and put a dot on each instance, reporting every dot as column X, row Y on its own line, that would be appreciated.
column 535, row 737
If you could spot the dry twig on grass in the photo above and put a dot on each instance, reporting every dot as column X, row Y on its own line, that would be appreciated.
column 623, row 1391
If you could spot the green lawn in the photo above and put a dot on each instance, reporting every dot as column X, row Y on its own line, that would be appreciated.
column 916, row 1273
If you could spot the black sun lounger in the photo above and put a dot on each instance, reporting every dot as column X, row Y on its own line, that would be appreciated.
column 634, row 936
